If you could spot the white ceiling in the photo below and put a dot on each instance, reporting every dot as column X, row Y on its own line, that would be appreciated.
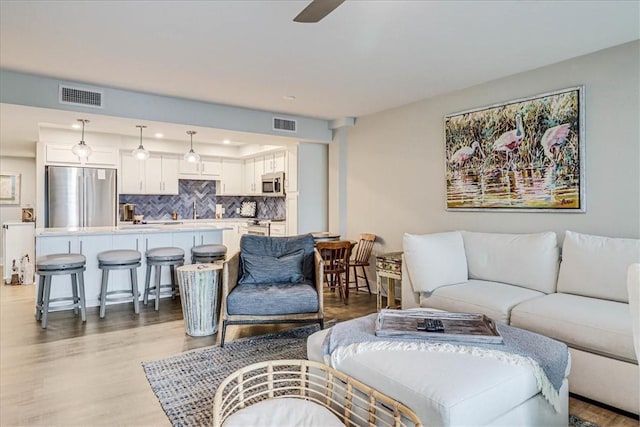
column 364, row 57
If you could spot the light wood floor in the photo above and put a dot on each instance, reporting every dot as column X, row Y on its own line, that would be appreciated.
column 91, row 374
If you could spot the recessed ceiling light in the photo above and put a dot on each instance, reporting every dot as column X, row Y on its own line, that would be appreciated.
column 289, row 98
column 76, row 126
column 226, row 141
column 159, row 135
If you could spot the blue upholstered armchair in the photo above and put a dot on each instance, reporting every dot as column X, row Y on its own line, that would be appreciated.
column 272, row 280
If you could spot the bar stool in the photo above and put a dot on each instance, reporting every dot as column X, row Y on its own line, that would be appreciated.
column 158, row 257
column 205, row 254
column 54, row 265
column 122, row 259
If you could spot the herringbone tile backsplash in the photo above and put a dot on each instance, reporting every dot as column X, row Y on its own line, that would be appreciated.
column 204, row 194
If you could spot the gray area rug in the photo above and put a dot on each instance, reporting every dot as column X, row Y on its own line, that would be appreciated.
column 185, row 384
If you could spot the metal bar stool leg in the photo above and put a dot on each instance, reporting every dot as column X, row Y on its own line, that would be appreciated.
column 45, row 301
column 172, row 271
column 83, row 305
column 147, row 284
column 40, row 296
column 134, row 290
column 103, row 292
column 158, row 271
column 74, row 291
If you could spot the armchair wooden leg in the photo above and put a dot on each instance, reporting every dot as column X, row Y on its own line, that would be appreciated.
column 224, row 332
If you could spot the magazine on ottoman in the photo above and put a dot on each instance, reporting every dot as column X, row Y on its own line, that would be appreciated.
column 437, row 326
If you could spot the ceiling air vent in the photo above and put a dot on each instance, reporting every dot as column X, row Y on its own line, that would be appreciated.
column 284, row 125
column 80, row 96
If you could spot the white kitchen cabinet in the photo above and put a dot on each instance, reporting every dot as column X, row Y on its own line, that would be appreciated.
column 18, row 240
column 278, row 229
column 231, row 178
column 156, row 175
column 253, row 170
column 231, row 238
column 206, row 168
column 275, row 162
column 161, row 175
column 62, row 154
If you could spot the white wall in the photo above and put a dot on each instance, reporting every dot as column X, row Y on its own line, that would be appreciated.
column 26, row 166
column 395, row 159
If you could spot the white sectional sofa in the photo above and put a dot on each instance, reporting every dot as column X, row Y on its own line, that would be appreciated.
column 519, row 279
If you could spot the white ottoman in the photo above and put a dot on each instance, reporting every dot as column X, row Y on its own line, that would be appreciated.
column 447, row 389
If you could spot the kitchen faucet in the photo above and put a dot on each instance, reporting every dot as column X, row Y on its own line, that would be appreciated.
column 195, row 212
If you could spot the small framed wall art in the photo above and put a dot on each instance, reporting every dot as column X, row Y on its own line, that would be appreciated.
column 9, row 188
column 522, row 155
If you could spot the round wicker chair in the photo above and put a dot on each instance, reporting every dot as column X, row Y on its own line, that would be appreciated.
column 352, row 402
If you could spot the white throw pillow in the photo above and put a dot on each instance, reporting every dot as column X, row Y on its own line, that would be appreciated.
column 526, row 260
column 595, row 266
column 435, row 260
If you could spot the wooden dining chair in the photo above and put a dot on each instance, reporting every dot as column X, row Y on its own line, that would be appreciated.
column 361, row 259
column 335, row 256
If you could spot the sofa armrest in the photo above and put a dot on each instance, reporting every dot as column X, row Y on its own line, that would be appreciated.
column 408, row 297
column 230, row 275
column 319, row 270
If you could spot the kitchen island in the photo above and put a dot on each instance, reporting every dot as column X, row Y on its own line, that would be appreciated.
column 90, row 241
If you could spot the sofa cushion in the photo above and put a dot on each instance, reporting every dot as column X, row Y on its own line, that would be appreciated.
column 257, row 269
column 278, row 246
column 590, row 324
column 527, row 260
column 496, row 300
column 435, row 260
column 284, row 298
column 595, row 266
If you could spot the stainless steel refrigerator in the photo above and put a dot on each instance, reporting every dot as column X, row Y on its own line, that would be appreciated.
column 80, row 197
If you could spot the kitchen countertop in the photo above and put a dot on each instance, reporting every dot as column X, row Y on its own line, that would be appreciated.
column 160, row 227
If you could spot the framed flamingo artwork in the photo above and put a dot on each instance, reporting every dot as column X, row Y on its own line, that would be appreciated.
column 522, row 155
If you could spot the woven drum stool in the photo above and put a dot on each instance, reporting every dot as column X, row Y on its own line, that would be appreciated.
column 119, row 260
column 54, row 265
column 205, row 254
column 158, row 257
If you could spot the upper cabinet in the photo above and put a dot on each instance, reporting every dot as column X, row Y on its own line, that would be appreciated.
column 156, row 175
column 61, row 154
column 275, row 162
column 230, row 178
column 253, row 170
column 206, row 168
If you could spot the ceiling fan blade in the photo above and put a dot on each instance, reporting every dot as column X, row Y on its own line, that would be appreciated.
column 316, row 10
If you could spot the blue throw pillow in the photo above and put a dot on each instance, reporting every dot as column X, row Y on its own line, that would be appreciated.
column 263, row 269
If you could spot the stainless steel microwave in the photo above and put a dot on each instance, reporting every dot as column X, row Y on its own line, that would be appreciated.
column 273, row 184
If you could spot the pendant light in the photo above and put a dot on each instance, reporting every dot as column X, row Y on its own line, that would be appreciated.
column 81, row 149
column 192, row 156
column 140, row 153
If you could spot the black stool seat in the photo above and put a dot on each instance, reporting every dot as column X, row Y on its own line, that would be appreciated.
column 119, row 257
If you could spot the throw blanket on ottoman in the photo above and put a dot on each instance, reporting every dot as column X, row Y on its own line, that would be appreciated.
column 547, row 358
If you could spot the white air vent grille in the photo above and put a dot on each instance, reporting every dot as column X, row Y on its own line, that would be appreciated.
column 80, row 96
column 284, row 125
